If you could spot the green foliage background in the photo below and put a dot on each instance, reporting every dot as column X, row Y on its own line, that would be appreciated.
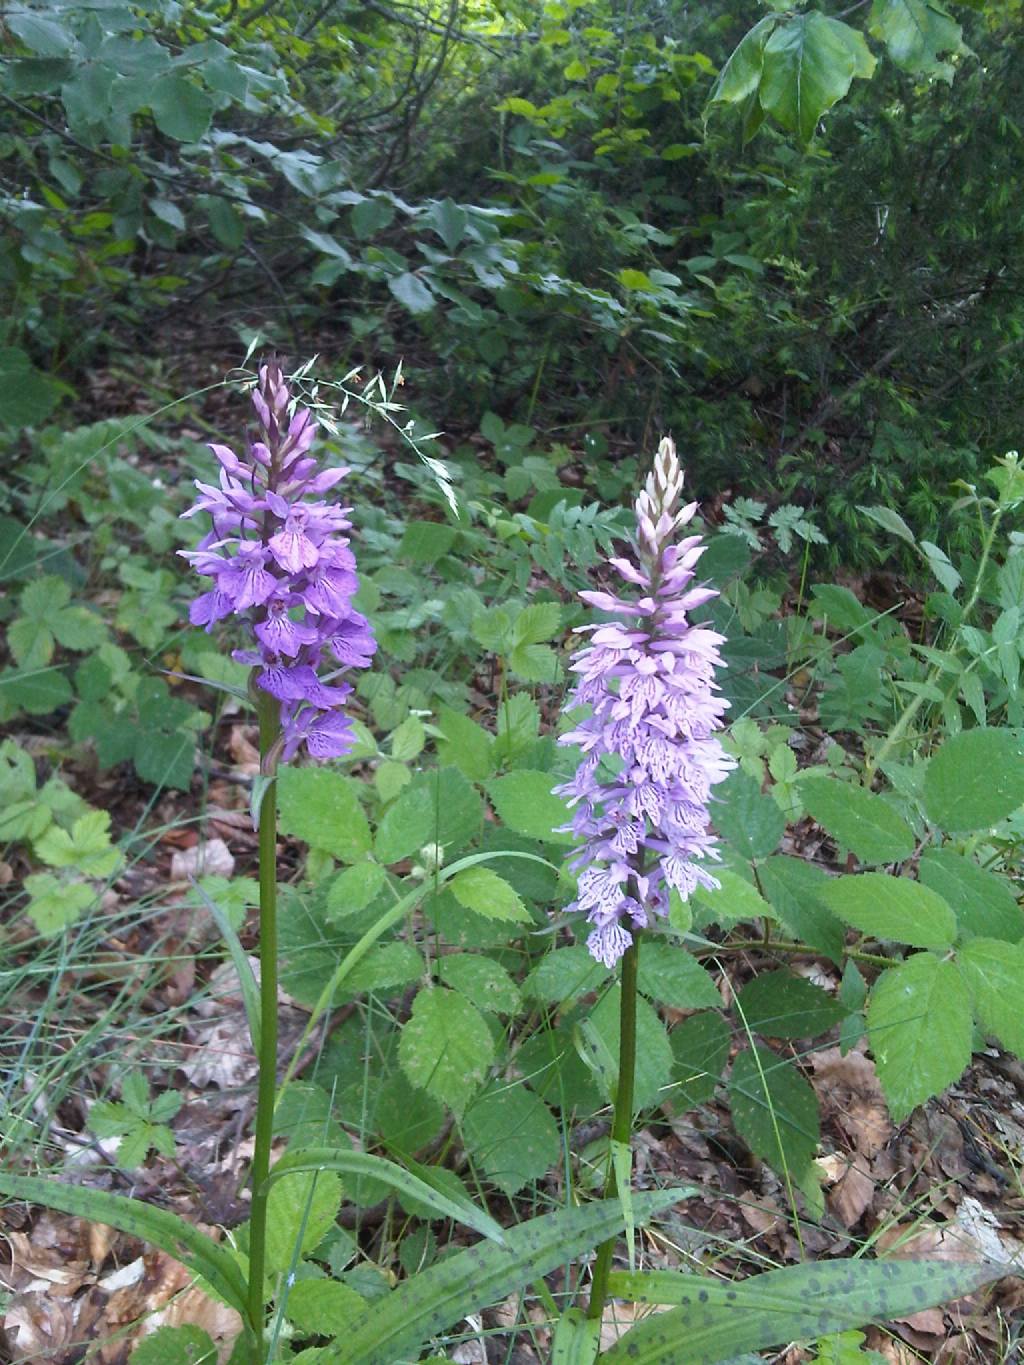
column 539, row 209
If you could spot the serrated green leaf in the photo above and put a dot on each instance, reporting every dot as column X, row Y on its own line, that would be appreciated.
column 700, row 1046
column 783, row 1005
column 975, row 780
column 481, row 890
column 654, row 1052
column 860, row 820
column 563, row 975
column 983, row 902
column 180, row 108
column 525, row 803
column 669, row 975
column 54, row 904
column 322, row 808
column 748, row 821
column 891, row 908
column 407, row 741
column 86, row 848
column 919, row 1027
column 718, row 1319
column 794, row 888
column 186, row 1345
column 735, row 899
column 511, row 1133
column 465, row 744
column 994, row 973
column 354, row 889
column 774, row 1110
column 301, row 1208
column 446, row 1047
column 481, row 981
column 324, row 1308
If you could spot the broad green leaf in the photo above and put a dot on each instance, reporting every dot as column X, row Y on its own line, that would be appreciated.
column 465, row 744
column 406, row 741
column 525, row 802
column 438, row 807
column 563, row 975
column 449, row 220
column 186, row 1345
column 774, row 1110
column 407, row 1118
column 783, row 1005
column 858, row 819
column 537, row 623
column 353, row 889
column 741, row 74
column 27, row 396
column 700, row 1046
column 31, row 642
column 324, row 1308
column 411, row 293
column 654, row 1052
column 321, row 807
column 180, row 108
column 717, row 1319
column 672, row 976
column 301, row 1208
column 425, row 542
column 891, row 908
column 975, row 780
column 510, row 1132
column 983, row 902
column 919, row 1027
column 809, row 63
column 750, row 823
column 576, row 1340
column 734, row 900
column 994, row 972
column 405, row 828
column 915, row 33
column 794, row 887
column 481, row 890
column 481, row 981
column 446, row 1047
column 156, row 1226
column 311, row 1160
column 40, row 34
column 395, row 1327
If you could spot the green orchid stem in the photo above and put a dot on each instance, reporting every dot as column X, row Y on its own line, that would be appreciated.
column 622, row 1120
column 270, row 729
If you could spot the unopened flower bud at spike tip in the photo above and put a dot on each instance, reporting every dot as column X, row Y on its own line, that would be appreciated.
column 279, row 561
column 649, row 683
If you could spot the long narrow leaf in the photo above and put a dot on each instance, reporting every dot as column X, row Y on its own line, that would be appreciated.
column 389, row 1173
column 716, row 1320
column 397, row 1326
column 158, row 1226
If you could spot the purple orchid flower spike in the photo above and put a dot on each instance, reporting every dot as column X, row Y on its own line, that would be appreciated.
column 279, row 559
column 647, row 680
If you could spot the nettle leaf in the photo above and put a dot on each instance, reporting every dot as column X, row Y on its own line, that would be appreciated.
column 774, row 1110
column 446, row 1047
column 860, row 820
column 975, row 780
column 700, row 1046
column 915, row 33
column 525, row 802
column 783, row 1005
column 512, row 1134
column 919, row 1027
column 983, row 901
column 809, row 63
column 322, row 808
column 892, row 908
column 672, row 976
column 994, row 972
column 481, row 890
column 480, row 980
